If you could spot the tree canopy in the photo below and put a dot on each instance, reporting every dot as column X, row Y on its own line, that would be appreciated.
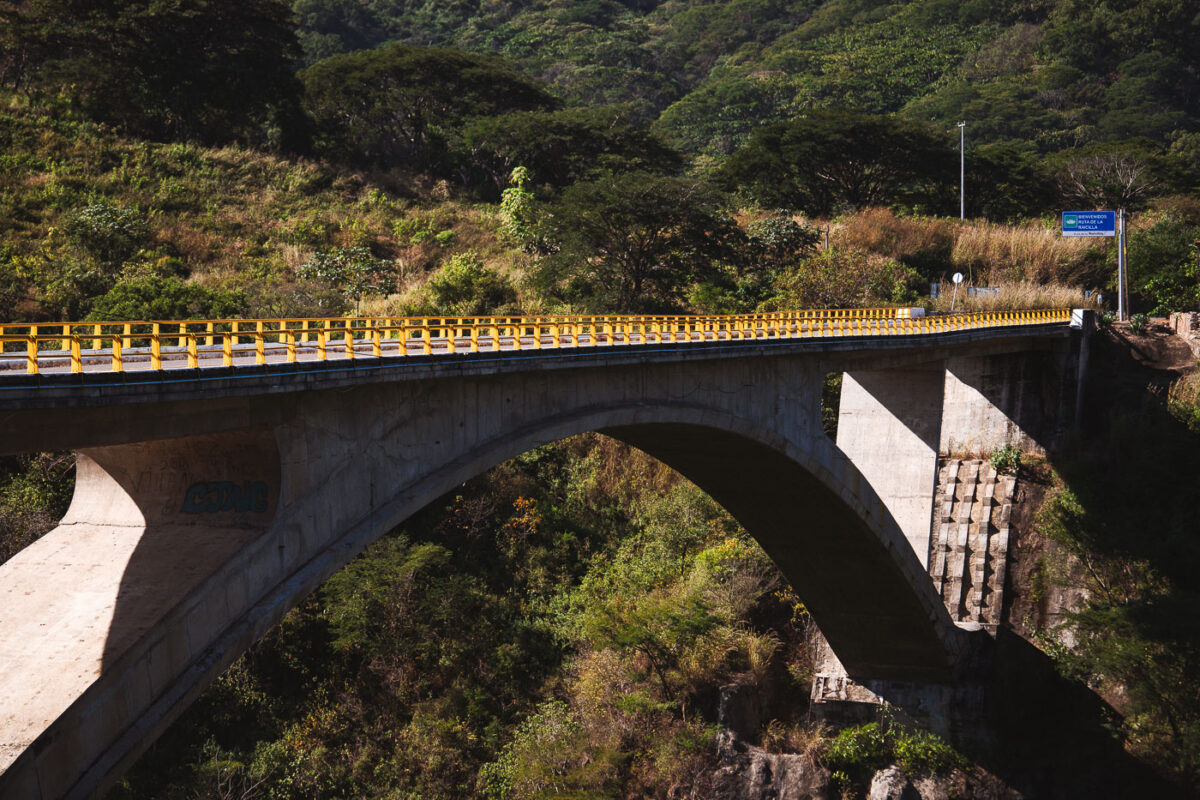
column 401, row 106
column 832, row 160
column 633, row 242
column 212, row 70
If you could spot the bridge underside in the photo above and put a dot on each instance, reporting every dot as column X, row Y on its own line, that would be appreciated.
column 179, row 553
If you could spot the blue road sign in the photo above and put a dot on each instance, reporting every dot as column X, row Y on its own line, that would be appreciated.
column 1089, row 223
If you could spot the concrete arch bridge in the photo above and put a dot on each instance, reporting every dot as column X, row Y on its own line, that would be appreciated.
column 227, row 468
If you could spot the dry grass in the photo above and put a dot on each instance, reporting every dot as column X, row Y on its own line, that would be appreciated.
column 1186, row 390
column 810, row 738
column 1015, row 294
column 919, row 242
column 989, row 254
column 1031, row 252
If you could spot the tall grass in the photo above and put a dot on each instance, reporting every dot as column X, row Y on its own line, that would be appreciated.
column 1031, row 252
column 1015, row 294
column 987, row 253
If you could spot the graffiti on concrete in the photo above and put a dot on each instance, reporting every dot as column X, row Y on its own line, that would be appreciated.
column 218, row 496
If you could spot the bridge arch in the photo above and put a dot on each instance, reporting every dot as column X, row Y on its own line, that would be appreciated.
column 335, row 485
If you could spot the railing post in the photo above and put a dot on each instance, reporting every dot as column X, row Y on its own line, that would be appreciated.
column 192, row 360
column 76, row 360
column 155, row 347
column 31, row 359
column 227, row 349
column 118, row 359
column 349, row 340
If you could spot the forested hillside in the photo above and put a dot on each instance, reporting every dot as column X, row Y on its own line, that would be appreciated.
column 214, row 158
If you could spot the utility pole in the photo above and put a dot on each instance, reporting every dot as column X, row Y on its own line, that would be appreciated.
column 962, row 170
column 1122, row 270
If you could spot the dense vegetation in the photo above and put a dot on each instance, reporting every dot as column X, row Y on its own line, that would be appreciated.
column 608, row 599
column 210, row 158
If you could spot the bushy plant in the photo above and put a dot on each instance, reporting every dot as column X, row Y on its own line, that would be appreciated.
column 842, row 278
column 354, row 271
column 158, row 297
column 1006, row 460
column 517, row 212
column 109, row 233
column 861, row 750
column 464, row 286
column 1138, row 323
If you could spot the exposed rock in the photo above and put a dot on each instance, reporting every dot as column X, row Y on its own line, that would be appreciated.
column 751, row 773
column 741, row 709
column 891, row 784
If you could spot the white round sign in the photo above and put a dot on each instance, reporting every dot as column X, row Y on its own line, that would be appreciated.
column 958, row 277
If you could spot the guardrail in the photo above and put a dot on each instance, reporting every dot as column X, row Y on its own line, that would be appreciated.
column 186, row 343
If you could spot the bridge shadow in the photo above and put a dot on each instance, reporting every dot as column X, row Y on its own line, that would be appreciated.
column 1046, row 735
column 1126, row 520
column 198, row 502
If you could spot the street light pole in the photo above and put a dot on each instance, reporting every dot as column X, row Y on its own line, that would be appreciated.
column 962, row 170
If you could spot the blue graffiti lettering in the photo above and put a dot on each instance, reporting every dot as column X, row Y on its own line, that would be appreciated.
column 215, row 496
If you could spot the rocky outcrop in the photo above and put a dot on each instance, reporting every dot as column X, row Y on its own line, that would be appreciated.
column 747, row 772
column 892, row 784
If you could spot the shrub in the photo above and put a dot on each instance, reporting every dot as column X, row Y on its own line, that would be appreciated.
column 166, row 297
column 466, row 287
column 867, row 748
column 352, row 270
column 1138, row 323
column 108, row 233
column 845, row 279
column 1006, row 460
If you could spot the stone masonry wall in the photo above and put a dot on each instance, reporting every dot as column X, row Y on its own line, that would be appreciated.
column 1186, row 326
column 969, row 545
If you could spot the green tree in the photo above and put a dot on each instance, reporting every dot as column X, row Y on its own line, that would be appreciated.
column 354, row 271
column 562, row 147
column 517, row 212
column 840, row 159
column 1165, row 266
column 215, row 70
column 633, row 242
column 401, row 106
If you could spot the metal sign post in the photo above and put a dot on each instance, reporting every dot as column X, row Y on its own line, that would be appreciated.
column 958, row 278
column 962, row 170
column 1103, row 223
column 1122, row 271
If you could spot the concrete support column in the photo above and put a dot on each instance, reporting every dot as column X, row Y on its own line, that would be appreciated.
column 993, row 401
column 889, row 424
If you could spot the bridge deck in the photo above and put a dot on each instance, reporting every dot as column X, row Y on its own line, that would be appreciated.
column 50, row 349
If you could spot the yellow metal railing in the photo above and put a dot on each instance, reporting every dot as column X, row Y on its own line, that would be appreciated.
column 187, row 344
